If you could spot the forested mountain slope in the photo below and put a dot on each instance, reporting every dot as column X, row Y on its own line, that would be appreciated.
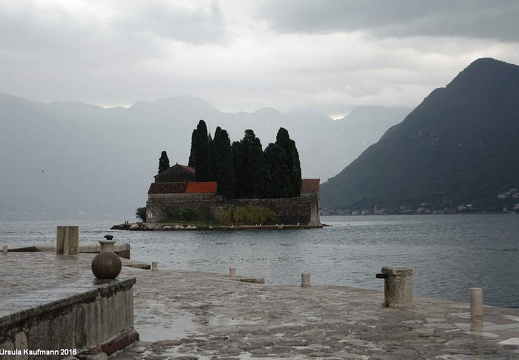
column 460, row 145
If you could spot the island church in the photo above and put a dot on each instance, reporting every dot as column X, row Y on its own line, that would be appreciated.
column 176, row 189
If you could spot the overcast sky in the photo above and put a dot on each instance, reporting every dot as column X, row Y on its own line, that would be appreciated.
column 319, row 55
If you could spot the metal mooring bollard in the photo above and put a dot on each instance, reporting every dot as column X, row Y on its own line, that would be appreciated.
column 305, row 280
column 476, row 301
column 232, row 272
column 398, row 285
column 108, row 244
column 154, row 266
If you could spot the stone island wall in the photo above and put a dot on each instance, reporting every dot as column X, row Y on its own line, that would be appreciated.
column 164, row 207
column 302, row 210
column 297, row 210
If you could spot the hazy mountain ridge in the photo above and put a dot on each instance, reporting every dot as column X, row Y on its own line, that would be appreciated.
column 458, row 146
column 76, row 158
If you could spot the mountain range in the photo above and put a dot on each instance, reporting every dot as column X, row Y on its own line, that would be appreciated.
column 459, row 147
column 71, row 159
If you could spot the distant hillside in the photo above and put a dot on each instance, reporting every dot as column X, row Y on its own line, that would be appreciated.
column 70, row 159
column 460, row 145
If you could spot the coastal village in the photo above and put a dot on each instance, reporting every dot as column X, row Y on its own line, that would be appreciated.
column 508, row 197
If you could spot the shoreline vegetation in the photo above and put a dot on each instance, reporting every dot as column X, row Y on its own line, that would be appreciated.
column 139, row 226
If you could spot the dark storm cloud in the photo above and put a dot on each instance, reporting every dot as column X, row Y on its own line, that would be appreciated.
column 483, row 19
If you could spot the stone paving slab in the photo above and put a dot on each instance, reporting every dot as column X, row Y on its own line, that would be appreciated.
column 193, row 315
column 25, row 272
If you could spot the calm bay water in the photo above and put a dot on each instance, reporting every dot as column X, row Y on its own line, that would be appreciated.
column 449, row 253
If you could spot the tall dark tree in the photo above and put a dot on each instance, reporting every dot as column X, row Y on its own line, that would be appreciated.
column 256, row 169
column 212, row 154
column 224, row 163
column 203, row 165
column 192, row 160
column 277, row 181
column 248, row 165
column 163, row 162
column 293, row 163
column 239, row 159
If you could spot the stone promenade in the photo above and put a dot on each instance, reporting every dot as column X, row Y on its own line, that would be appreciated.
column 190, row 315
column 193, row 315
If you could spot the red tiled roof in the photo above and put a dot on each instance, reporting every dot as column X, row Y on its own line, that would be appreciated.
column 182, row 188
column 310, row 186
column 201, row 187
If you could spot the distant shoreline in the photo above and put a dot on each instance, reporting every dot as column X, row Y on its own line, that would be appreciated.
column 432, row 213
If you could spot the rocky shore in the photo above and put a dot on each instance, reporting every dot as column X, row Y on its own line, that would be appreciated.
column 159, row 226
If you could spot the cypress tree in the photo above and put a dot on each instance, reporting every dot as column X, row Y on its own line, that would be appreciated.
column 202, row 154
column 248, row 166
column 256, row 169
column 192, row 160
column 277, row 181
column 292, row 158
column 238, row 163
column 224, row 163
column 163, row 162
column 212, row 155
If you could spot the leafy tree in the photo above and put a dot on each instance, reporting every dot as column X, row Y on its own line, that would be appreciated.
column 163, row 162
column 140, row 213
column 224, row 163
column 292, row 160
column 277, row 180
column 203, row 165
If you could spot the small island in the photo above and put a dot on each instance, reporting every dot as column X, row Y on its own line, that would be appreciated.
column 238, row 186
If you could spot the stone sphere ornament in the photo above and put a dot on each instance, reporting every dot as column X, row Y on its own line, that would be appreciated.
column 106, row 265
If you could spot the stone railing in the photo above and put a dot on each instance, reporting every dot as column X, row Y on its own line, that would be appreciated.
column 64, row 321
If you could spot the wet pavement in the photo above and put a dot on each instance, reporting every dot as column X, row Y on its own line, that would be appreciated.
column 193, row 315
column 190, row 315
